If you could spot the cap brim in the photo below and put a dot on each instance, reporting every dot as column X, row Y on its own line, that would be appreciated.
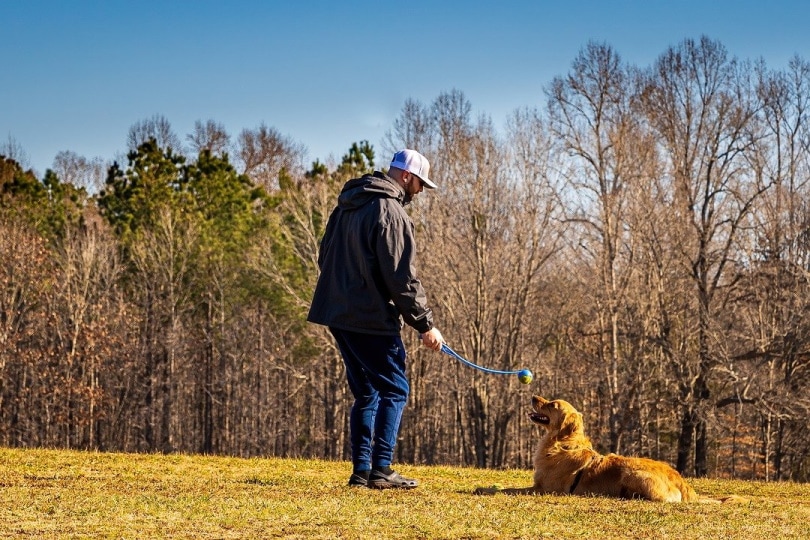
column 428, row 183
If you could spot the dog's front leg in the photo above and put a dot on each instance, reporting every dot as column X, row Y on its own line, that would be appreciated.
column 493, row 490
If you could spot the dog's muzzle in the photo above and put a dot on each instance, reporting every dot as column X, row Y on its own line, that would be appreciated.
column 538, row 418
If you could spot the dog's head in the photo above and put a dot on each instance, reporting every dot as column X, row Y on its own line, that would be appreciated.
column 556, row 416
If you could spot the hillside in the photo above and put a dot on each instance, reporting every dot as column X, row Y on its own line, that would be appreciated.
column 65, row 494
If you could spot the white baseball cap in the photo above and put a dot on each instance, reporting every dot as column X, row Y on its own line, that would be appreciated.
column 415, row 163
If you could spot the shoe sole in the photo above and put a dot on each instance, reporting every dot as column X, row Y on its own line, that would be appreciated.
column 389, row 485
column 357, row 481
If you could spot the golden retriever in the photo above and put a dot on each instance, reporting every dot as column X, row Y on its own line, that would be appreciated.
column 566, row 463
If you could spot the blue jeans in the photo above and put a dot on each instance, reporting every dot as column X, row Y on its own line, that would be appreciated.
column 375, row 369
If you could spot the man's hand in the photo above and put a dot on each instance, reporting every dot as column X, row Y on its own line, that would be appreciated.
column 433, row 339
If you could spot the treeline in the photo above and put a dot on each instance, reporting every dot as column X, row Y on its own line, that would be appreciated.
column 640, row 240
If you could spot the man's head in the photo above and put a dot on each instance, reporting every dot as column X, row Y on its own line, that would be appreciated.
column 411, row 169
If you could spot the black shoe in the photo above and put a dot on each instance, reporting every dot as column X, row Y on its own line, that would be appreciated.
column 380, row 480
column 359, row 479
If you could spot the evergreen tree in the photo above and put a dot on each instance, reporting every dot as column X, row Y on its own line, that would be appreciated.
column 358, row 161
column 132, row 197
column 50, row 205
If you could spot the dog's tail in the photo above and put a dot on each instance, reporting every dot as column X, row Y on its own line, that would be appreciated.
column 732, row 499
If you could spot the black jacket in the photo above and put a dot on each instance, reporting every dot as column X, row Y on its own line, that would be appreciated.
column 368, row 281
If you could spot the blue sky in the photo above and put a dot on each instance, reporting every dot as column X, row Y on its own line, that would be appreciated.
column 77, row 74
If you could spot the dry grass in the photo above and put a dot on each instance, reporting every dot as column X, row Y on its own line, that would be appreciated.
column 60, row 494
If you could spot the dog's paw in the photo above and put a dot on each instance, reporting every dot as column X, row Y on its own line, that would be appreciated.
column 491, row 490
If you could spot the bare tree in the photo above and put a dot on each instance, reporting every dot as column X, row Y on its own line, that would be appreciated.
column 701, row 104
column 159, row 128
column 590, row 113
column 24, row 273
column 264, row 152
column 162, row 258
column 209, row 136
column 413, row 128
column 77, row 170
column 12, row 149
column 88, row 267
column 768, row 367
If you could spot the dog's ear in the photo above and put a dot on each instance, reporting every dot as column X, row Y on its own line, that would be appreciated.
column 571, row 424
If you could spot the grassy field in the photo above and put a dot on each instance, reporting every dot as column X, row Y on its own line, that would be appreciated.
column 60, row 494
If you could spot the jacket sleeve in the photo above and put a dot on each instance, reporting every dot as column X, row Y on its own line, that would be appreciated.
column 396, row 254
column 327, row 236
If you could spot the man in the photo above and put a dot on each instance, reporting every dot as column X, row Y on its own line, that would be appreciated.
column 366, row 290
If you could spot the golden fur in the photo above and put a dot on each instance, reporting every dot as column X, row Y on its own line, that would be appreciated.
column 566, row 463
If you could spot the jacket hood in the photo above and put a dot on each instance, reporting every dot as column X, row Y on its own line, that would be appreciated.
column 359, row 191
